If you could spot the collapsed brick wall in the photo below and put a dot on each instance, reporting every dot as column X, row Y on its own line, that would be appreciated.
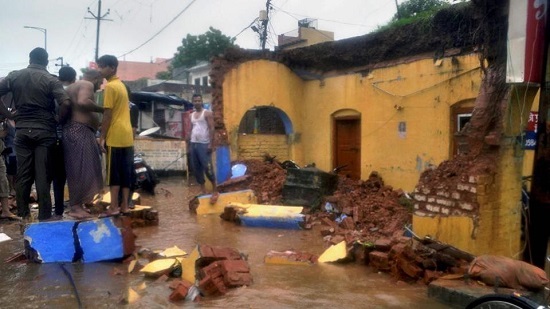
column 455, row 187
column 255, row 146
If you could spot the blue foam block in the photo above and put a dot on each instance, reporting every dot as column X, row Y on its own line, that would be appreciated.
column 53, row 241
column 100, row 240
column 289, row 223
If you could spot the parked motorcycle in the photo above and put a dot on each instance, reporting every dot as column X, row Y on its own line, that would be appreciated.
column 145, row 178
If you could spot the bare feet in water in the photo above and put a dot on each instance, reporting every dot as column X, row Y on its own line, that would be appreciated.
column 79, row 213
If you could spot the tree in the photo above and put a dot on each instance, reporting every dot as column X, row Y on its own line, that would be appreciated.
column 164, row 75
column 412, row 8
column 201, row 48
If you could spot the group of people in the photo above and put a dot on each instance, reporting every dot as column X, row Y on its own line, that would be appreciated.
column 58, row 118
column 59, row 138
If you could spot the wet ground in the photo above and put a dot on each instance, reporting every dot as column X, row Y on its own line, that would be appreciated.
column 101, row 285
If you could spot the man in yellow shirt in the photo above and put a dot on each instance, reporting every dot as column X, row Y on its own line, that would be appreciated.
column 116, row 138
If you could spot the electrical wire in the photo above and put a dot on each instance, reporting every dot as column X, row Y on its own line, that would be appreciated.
column 252, row 23
column 71, row 280
column 160, row 31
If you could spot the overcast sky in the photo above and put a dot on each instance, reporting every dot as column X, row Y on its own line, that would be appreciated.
column 133, row 22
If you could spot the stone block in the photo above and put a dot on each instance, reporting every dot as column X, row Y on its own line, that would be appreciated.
column 100, row 240
column 48, row 242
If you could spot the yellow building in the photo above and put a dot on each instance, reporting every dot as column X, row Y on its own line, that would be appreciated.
column 405, row 115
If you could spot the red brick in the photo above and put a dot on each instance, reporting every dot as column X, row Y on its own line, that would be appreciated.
column 235, row 273
column 430, row 275
column 379, row 261
column 396, row 250
column 212, row 286
column 329, row 222
column 410, row 268
column 234, row 266
column 348, row 223
column 383, row 244
column 180, row 290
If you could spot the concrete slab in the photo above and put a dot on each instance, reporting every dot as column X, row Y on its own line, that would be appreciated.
column 51, row 241
column 100, row 240
column 204, row 206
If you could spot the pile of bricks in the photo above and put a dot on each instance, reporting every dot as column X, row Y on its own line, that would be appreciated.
column 411, row 260
column 221, row 268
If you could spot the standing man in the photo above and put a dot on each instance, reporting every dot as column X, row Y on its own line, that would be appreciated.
column 116, row 138
column 82, row 153
column 34, row 91
column 67, row 76
column 201, row 145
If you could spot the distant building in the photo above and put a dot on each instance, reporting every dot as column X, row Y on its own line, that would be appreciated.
column 306, row 34
column 134, row 70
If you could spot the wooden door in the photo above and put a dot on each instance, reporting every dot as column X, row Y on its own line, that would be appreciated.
column 347, row 147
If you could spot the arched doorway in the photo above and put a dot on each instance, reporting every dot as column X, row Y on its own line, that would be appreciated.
column 264, row 129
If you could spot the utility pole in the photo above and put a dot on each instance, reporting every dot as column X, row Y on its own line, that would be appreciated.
column 98, row 18
column 265, row 22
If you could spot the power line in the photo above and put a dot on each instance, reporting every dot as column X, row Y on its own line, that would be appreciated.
column 252, row 23
column 162, row 29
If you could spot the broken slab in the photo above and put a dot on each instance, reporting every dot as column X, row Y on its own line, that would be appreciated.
column 100, row 240
column 334, row 253
column 290, row 257
column 188, row 269
column 160, row 267
column 201, row 205
column 71, row 241
column 49, row 242
column 270, row 216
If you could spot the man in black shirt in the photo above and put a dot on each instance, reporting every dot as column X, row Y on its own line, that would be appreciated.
column 34, row 92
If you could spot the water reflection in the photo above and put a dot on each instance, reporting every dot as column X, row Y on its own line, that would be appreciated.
column 275, row 286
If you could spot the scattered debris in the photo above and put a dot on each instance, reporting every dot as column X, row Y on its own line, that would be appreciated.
column 334, row 253
column 290, row 257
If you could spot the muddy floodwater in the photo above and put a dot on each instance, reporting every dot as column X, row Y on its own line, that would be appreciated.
column 102, row 285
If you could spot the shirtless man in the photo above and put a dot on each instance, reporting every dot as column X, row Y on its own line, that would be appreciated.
column 82, row 153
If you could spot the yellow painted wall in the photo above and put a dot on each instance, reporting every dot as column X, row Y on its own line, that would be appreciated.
column 262, row 83
column 425, row 92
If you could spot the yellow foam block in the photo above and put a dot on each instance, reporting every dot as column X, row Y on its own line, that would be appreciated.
column 334, row 253
column 159, row 267
column 188, row 265
column 173, row 252
column 244, row 196
column 106, row 198
column 140, row 208
column 258, row 210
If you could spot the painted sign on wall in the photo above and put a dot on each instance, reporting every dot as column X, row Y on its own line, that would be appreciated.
column 530, row 137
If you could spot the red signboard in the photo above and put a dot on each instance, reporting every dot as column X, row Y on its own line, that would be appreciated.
column 534, row 43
